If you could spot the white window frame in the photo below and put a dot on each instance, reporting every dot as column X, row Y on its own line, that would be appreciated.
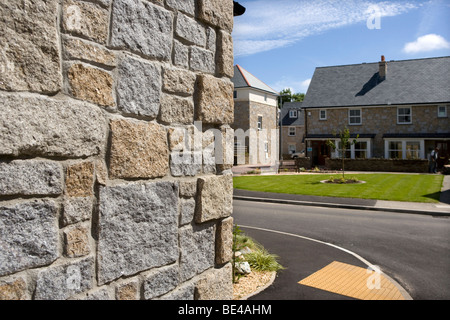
column 320, row 114
column 404, row 142
column 259, row 123
column 293, row 114
column 290, row 133
column 444, row 115
column 336, row 153
column 410, row 115
column 350, row 117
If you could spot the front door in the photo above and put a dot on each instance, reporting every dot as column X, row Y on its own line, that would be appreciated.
column 443, row 154
column 320, row 151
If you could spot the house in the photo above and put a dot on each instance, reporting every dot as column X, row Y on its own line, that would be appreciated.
column 400, row 109
column 255, row 119
column 292, row 128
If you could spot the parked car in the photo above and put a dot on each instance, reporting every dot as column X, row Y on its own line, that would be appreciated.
column 298, row 154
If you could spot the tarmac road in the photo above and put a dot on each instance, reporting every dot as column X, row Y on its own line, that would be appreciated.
column 412, row 249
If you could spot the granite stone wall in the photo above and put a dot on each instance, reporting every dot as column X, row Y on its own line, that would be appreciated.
column 110, row 116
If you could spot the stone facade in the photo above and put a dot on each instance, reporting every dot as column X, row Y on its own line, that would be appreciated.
column 378, row 121
column 106, row 189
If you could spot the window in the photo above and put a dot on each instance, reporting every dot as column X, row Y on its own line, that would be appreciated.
column 291, row 148
column 442, row 111
column 361, row 150
column 404, row 115
column 234, row 94
column 292, row 114
column 412, row 149
column 259, row 122
column 354, row 116
column 395, row 150
column 265, row 97
column 322, row 114
column 347, row 153
column 291, row 131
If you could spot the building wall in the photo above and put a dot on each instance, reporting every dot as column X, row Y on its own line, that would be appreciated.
column 379, row 121
column 296, row 140
column 101, row 197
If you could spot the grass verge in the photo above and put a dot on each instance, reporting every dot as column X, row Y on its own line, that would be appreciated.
column 392, row 187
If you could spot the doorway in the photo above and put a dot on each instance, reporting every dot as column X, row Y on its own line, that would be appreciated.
column 320, row 151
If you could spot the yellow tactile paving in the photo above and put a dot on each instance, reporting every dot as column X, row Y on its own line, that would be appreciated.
column 353, row 281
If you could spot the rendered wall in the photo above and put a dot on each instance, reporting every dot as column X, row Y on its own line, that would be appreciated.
column 109, row 186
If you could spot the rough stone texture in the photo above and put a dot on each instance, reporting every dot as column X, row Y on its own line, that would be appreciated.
column 61, row 282
column 214, row 198
column 86, row 19
column 138, row 87
column 180, row 54
column 188, row 188
column 142, row 27
column 76, row 209
column 197, row 249
column 138, row 228
column 28, row 235
column 29, row 46
column 138, row 150
column 127, row 291
column 91, row 84
column 202, row 60
column 80, row 179
column 179, row 81
column 76, row 49
column 217, row 12
column 185, row 163
column 185, row 291
column 187, row 210
column 39, row 126
column 211, row 39
column 14, row 289
column 225, row 56
column 30, row 177
column 216, row 284
column 176, row 110
column 224, row 241
column 187, row 6
column 76, row 241
column 215, row 100
column 160, row 281
column 99, row 294
column 190, row 30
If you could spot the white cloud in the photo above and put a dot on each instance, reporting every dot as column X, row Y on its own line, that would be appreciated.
column 429, row 42
column 295, row 85
column 269, row 24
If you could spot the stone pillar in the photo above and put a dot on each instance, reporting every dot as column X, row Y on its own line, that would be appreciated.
column 106, row 188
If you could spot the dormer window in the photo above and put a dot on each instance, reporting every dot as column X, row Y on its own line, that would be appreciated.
column 293, row 114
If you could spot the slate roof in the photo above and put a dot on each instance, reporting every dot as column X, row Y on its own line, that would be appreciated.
column 244, row 79
column 415, row 81
column 286, row 120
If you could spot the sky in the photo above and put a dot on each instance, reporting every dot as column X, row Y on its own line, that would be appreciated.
column 281, row 42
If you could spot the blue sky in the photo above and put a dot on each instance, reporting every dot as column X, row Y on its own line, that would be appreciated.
column 281, row 42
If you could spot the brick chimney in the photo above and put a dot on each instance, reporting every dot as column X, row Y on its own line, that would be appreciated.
column 382, row 65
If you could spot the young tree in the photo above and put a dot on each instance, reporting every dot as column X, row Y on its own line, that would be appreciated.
column 345, row 143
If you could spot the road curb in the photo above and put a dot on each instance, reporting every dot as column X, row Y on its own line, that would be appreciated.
column 343, row 206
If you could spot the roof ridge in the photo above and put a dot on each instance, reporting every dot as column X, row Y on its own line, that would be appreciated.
column 248, row 83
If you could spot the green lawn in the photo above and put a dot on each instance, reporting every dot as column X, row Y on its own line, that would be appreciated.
column 396, row 187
